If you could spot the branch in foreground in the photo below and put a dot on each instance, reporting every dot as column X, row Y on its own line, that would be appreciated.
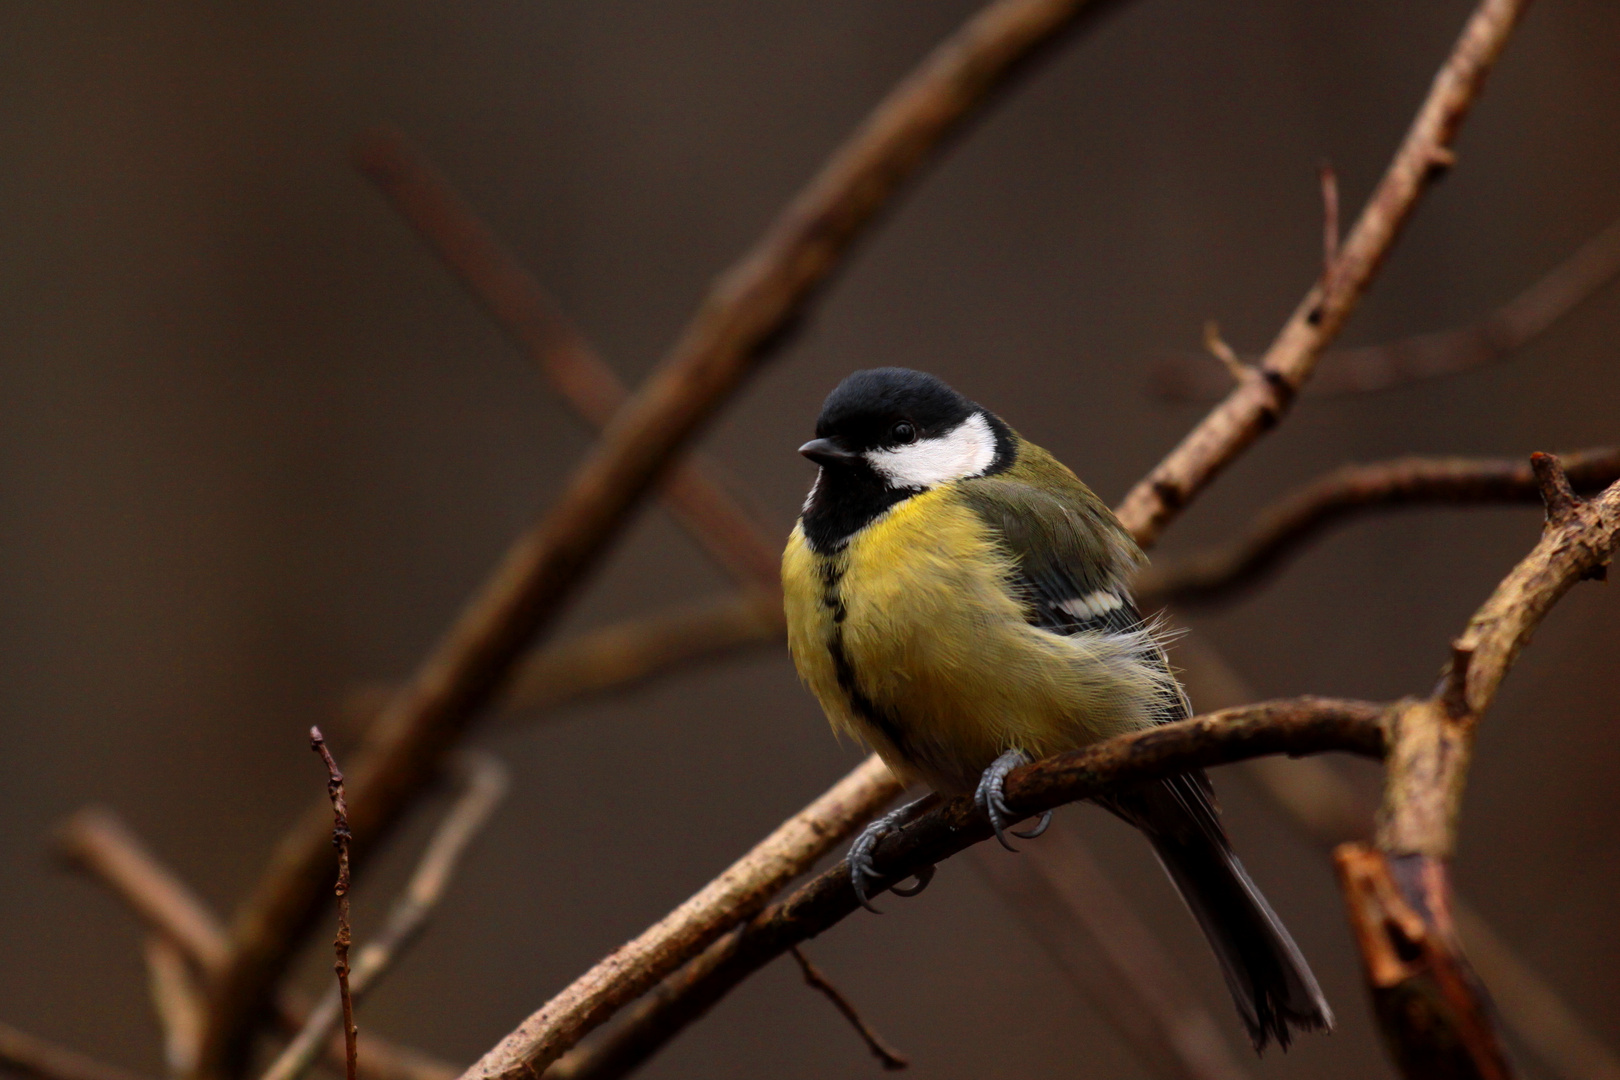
column 97, row 842
column 177, row 1001
column 744, row 314
column 1294, row 726
column 1284, row 527
column 1330, row 811
column 1435, row 1014
column 486, row 785
column 340, row 838
column 1269, row 388
column 891, row 1058
column 523, row 308
column 27, row 1055
column 1073, row 910
column 1428, row 356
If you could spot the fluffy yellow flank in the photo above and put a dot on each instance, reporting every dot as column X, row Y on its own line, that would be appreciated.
column 941, row 671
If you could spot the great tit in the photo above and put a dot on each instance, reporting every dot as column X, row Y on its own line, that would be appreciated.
column 959, row 601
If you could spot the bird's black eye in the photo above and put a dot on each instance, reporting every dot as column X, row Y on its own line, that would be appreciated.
column 903, row 432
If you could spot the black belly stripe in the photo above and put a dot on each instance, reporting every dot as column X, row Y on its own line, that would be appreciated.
column 863, row 706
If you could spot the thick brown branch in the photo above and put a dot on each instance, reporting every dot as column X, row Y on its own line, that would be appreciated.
column 891, row 1058
column 1256, row 404
column 340, row 839
column 1283, row 528
column 1068, row 904
column 26, row 1055
column 1295, row 726
column 744, row 314
column 486, row 784
column 1446, row 352
column 523, row 308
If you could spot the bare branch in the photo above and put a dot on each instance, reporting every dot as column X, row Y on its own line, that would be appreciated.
column 1287, row 525
column 891, row 1058
column 1330, row 221
column 98, row 842
column 340, row 839
column 1069, row 905
column 745, row 313
column 486, row 785
column 28, row 1055
column 1255, row 406
column 526, row 311
column 1504, row 331
column 178, row 1001
column 1294, row 726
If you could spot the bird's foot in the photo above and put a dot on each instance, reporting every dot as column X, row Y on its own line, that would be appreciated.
column 863, row 874
column 993, row 802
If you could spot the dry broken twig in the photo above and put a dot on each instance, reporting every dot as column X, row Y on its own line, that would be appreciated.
column 486, row 785
column 98, row 842
column 1284, row 527
column 27, row 1055
column 1435, row 1015
column 523, row 308
column 1256, row 403
column 176, row 1000
column 340, row 840
column 1370, row 368
column 891, row 1058
column 1330, row 811
column 1068, row 904
column 745, row 313
column 1294, row 726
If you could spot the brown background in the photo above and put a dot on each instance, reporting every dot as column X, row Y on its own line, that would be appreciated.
column 257, row 446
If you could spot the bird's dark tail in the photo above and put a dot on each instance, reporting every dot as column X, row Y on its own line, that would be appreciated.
column 1270, row 982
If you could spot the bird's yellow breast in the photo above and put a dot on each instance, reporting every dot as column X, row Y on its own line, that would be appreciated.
column 914, row 640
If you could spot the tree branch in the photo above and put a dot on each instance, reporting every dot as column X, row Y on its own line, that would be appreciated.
column 1295, row 726
column 1435, row 1014
column 1428, row 356
column 746, row 312
column 891, row 1058
column 486, row 785
column 28, row 1055
column 177, row 1000
column 96, row 841
column 526, row 311
column 1280, row 530
column 1257, row 403
column 340, row 839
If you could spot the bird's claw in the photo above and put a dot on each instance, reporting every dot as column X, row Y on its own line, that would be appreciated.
column 863, row 873
column 991, row 799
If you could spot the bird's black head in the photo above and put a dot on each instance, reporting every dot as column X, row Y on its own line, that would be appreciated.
column 887, row 434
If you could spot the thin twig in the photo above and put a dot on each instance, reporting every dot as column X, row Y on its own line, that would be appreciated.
column 526, row 311
column 1330, row 221
column 99, row 843
column 1255, row 405
column 340, row 840
column 1294, row 726
column 745, row 314
column 891, row 1058
column 1068, row 904
column 1369, row 368
column 177, row 1000
column 486, row 785
column 1287, row 525
column 28, row 1055
column 1220, row 350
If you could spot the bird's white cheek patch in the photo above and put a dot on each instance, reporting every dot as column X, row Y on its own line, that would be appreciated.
column 966, row 450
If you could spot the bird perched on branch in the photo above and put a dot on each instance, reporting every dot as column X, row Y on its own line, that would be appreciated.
column 958, row 600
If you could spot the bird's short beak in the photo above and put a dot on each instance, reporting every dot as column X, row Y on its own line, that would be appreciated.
column 826, row 452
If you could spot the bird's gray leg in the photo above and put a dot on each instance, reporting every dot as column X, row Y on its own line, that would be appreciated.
column 863, row 875
column 990, row 799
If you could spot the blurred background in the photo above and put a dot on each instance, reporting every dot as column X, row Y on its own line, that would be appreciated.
column 257, row 446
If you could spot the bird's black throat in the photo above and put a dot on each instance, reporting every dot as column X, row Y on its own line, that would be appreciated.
column 846, row 498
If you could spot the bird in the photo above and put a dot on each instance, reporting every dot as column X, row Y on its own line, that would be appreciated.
column 959, row 601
